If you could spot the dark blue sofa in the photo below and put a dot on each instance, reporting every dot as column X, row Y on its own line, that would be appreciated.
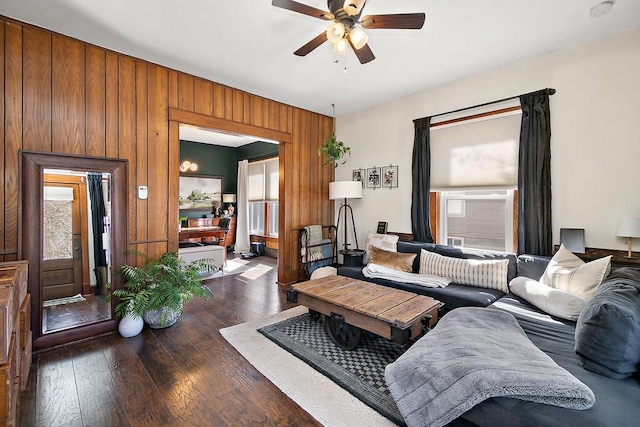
column 617, row 400
column 454, row 295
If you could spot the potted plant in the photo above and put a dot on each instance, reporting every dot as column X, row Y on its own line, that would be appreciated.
column 334, row 149
column 158, row 289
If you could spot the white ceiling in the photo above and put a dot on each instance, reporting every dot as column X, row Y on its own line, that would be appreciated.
column 249, row 44
column 205, row 136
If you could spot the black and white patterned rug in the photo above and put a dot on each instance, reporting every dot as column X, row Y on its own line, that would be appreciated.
column 360, row 371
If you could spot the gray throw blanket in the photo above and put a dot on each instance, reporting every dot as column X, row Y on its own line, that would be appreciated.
column 471, row 355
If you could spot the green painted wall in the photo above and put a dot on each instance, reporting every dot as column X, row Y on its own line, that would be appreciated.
column 212, row 160
column 222, row 161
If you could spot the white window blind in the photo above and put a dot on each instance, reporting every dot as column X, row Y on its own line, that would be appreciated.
column 476, row 153
column 256, row 181
column 271, row 169
column 263, row 180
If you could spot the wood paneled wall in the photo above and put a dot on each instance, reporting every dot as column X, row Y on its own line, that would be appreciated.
column 62, row 95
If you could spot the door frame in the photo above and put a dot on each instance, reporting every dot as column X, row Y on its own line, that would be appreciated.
column 178, row 117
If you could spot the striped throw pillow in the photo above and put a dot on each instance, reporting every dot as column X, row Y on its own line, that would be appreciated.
column 490, row 274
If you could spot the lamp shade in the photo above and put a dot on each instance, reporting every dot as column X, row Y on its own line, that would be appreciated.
column 358, row 37
column 345, row 190
column 335, row 32
column 228, row 198
column 628, row 227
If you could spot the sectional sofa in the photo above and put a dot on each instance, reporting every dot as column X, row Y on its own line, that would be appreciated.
column 606, row 336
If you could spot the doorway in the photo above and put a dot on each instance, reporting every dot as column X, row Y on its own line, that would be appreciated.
column 73, row 278
column 213, row 153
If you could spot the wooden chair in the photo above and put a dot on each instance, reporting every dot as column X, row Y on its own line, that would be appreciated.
column 223, row 223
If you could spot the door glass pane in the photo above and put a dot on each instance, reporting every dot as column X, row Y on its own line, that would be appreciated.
column 58, row 231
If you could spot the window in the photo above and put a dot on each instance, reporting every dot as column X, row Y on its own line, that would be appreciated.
column 273, row 219
column 263, row 197
column 256, row 217
column 474, row 174
column 486, row 224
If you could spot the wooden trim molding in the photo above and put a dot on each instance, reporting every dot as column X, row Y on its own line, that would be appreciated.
column 227, row 126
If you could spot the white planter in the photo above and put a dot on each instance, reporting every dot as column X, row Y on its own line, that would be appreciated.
column 153, row 318
column 130, row 326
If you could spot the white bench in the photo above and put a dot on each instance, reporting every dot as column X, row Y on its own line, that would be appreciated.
column 214, row 252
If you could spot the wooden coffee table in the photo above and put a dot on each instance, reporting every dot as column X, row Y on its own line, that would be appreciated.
column 352, row 305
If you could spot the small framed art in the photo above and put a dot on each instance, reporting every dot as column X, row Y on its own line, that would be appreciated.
column 358, row 175
column 389, row 176
column 373, row 177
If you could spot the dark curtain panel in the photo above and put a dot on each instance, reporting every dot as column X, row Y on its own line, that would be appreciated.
column 98, row 212
column 534, row 176
column 421, row 185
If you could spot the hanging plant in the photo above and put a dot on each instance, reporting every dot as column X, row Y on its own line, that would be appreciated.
column 335, row 150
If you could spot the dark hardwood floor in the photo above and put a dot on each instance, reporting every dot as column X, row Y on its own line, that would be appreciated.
column 185, row 375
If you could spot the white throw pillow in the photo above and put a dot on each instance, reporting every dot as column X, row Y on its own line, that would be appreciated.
column 569, row 273
column 490, row 274
column 550, row 300
column 388, row 242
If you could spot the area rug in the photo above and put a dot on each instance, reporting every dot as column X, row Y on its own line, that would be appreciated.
column 65, row 300
column 322, row 398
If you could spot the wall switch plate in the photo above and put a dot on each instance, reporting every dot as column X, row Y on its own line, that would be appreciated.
column 143, row 192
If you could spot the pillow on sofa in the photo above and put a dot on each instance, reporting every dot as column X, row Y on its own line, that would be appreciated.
column 569, row 273
column 483, row 274
column 395, row 260
column 387, row 242
column 608, row 329
column 550, row 300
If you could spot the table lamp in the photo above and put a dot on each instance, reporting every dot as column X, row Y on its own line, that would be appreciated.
column 629, row 228
column 346, row 190
column 231, row 199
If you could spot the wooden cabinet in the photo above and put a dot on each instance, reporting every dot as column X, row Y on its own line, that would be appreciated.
column 15, row 336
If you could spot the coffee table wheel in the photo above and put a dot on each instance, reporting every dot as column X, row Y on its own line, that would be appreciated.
column 342, row 334
column 314, row 315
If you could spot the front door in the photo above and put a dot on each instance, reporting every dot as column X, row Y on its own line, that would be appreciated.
column 62, row 243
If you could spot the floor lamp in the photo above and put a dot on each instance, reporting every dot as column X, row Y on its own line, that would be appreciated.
column 347, row 190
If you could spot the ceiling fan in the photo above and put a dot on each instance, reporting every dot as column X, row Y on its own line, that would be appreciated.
column 345, row 29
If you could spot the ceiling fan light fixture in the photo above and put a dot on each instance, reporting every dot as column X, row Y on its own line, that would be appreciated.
column 358, row 37
column 353, row 7
column 340, row 47
column 335, row 32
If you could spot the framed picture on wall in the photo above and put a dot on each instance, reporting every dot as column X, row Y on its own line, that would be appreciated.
column 358, row 175
column 390, row 176
column 373, row 177
column 200, row 192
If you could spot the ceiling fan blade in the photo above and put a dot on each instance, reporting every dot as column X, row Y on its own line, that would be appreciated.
column 303, row 8
column 307, row 48
column 364, row 54
column 399, row 21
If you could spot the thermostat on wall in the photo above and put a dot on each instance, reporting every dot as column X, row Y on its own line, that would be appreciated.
column 142, row 192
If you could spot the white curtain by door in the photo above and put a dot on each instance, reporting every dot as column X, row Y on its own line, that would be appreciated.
column 242, row 215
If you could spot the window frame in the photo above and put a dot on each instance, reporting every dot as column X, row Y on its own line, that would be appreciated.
column 435, row 196
column 510, row 219
column 266, row 232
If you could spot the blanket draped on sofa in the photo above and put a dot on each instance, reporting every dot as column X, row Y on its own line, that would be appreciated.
column 471, row 355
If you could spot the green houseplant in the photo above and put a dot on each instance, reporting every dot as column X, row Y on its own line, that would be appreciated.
column 334, row 149
column 157, row 289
